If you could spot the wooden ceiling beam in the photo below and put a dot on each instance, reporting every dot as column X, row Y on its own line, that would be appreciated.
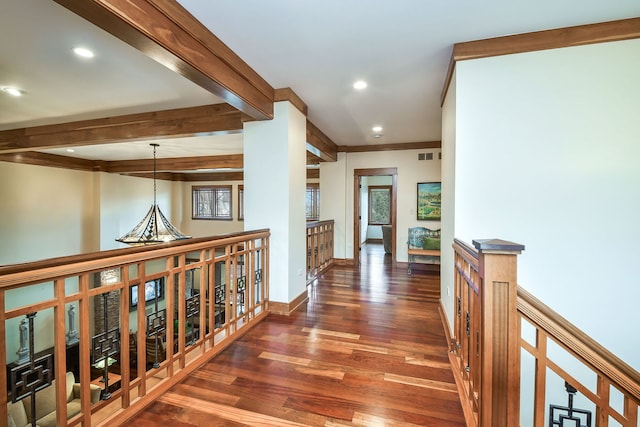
column 167, row 33
column 174, row 123
column 142, row 166
column 313, row 173
column 312, row 159
column 208, row 176
column 287, row 94
column 320, row 145
column 230, row 161
column 390, row 147
column 51, row 160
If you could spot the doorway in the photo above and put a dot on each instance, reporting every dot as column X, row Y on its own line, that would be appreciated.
column 358, row 175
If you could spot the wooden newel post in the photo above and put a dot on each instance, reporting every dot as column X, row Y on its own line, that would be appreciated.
column 500, row 333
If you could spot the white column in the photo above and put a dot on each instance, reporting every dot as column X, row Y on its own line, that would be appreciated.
column 333, row 202
column 274, row 195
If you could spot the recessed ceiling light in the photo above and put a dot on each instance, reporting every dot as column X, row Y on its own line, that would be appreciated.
column 377, row 128
column 12, row 91
column 360, row 84
column 83, row 52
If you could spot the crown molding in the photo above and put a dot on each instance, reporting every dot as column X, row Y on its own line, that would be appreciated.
column 390, row 147
column 624, row 29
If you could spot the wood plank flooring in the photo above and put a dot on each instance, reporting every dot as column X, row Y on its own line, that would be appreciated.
column 367, row 350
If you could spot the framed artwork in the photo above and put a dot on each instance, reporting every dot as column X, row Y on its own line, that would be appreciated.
column 429, row 201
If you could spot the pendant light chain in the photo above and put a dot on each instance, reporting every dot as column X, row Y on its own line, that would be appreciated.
column 154, row 172
column 154, row 227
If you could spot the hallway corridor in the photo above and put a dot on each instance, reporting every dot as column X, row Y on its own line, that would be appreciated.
column 368, row 349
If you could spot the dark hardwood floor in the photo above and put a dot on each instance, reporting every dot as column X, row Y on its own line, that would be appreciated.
column 367, row 350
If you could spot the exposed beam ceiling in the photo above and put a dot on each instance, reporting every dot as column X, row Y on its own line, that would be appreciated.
column 209, row 176
column 144, row 126
column 165, row 32
column 162, row 59
column 321, row 146
column 231, row 161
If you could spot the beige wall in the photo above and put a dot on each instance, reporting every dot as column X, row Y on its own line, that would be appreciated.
column 46, row 212
column 336, row 193
column 201, row 228
column 50, row 212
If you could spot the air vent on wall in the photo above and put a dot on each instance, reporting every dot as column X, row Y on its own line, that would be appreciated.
column 430, row 156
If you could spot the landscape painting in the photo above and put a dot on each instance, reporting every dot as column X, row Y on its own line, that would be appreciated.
column 429, row 201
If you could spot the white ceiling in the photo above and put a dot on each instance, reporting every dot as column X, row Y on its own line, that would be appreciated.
column 318, row 48
column 36, row 55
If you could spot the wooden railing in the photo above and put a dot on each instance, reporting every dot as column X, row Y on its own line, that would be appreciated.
column 610, row 390
column 141, row 317
column 319, row 247
column 466, row 330
column 520, row 363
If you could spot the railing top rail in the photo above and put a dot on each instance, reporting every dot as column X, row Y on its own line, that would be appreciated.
column 468, row 252
column 311, row 224
column 17, row 274
column 580, row 344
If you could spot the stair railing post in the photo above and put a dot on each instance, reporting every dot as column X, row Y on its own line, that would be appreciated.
column 500, row 333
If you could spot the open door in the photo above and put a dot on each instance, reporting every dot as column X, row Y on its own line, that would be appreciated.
column 357, row 207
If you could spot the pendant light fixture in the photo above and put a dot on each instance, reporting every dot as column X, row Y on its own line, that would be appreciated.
column 154, row 227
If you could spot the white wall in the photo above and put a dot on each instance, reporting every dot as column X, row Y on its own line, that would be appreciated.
column 546, row 154
column 275, row 194
column 51, row 212
column 448, row 233
column 333, row 200
column 336, row 189
column 46, row 212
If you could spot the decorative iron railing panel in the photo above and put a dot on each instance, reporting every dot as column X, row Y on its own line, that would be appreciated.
column 129, row 322
column 608, row 389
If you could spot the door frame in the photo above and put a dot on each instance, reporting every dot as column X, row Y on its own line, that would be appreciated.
column 357, row 178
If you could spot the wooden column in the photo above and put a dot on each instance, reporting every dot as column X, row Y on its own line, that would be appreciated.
column 500, row 333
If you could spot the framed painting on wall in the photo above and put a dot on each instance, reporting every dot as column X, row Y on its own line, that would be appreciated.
column 429, row 201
